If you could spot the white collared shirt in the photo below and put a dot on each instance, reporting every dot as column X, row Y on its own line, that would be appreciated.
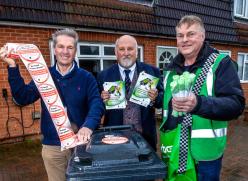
column 123, row 75
column 57, row 68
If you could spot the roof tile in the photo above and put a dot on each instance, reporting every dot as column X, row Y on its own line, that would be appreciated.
column 116, row 15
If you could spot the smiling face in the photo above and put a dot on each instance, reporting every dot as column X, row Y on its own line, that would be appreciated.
column 126, row 51
column 65, row 50
column 190, row 40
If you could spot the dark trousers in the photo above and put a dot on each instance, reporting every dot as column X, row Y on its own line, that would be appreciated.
column 209, row 170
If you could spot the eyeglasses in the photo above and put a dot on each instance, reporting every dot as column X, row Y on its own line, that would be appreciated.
column 189, row 35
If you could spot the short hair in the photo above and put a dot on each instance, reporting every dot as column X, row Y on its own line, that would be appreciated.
column 190, row 20
column 68, row 32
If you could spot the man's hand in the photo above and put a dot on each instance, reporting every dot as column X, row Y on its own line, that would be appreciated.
column 3, row 56
column 152, row 94
column 105, row 96
column 84, row 134
column 184, row 104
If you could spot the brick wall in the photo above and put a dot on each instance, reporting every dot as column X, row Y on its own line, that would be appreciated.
column 16, row 116
column 40, row 37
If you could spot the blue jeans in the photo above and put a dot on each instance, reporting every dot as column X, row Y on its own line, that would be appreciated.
column 209, row 170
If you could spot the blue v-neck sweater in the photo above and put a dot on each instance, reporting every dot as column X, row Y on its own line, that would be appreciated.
column 79, row 93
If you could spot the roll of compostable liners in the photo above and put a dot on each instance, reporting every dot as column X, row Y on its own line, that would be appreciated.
column 36, row 66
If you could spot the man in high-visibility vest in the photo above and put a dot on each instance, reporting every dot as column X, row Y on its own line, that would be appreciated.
column 193, row 144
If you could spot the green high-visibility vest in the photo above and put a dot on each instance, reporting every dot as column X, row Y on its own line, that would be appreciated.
column 208, row 137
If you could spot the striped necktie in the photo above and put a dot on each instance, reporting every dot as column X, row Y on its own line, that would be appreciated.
column 127, row 80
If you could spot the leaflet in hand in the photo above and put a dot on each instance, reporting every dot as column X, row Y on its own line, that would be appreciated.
column 116, row 91
column 144, row 83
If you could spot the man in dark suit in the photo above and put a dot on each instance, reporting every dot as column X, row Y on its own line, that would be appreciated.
column 128, row 69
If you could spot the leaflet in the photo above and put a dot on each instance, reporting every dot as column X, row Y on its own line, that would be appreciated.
column 36, row 65
column 116, row 91
column 144, row 83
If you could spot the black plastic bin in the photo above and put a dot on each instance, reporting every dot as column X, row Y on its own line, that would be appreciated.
column 133, row 160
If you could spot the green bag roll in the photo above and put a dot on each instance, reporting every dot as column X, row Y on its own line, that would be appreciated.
column 170, row 155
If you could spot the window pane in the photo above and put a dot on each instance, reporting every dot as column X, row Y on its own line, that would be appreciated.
column 240, row 66
column 108, row 63
column 109, row 51
column 226, row 52
column 89, row 50
column 239, row 7
column 165, row 56
column 139, row 55
column 92, row 66
column 246, row 71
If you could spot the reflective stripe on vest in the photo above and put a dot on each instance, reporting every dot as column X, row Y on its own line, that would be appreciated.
column 208, row 137
column 165, row 111
column 208, row 133
column 166, row 77
column 210, row 80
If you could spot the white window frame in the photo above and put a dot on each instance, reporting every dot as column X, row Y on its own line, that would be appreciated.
column 141, row 53
column 106, row 45
column 228, row 52
column 165, row 47
column 102, row 57
column 243, row 66
column 89, row 44
column 244, row 9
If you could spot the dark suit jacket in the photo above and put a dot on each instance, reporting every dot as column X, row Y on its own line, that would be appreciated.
column 115, row 117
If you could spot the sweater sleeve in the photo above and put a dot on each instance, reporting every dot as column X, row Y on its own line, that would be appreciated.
column 95, row 104
column 229, row 101
column 22, row 93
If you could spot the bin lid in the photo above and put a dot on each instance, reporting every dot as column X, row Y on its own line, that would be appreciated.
column 115, row 153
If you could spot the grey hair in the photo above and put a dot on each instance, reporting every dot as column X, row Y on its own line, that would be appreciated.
column 117, row 41
column 190, row 20
column 68, row 32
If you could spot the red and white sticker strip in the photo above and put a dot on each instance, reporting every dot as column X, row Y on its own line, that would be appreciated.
column 36, row 65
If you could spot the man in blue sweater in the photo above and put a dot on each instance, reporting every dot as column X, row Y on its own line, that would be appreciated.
column 78, row 91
